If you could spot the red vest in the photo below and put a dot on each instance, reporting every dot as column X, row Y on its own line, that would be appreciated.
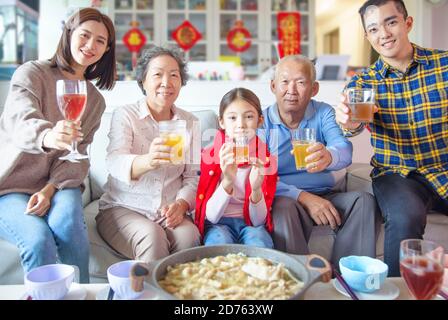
column 211, row 176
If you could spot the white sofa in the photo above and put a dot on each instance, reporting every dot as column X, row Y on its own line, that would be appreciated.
column 101, row 255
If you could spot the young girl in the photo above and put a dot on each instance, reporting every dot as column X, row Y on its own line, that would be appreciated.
column 40, row 195
column 233, row 201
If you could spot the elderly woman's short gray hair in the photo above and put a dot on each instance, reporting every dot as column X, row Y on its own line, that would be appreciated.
column 154, row 52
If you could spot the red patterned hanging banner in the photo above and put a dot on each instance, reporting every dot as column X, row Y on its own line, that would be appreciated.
column 186, row 35
column 288, row 24
column 134, row 40
column 239, row 38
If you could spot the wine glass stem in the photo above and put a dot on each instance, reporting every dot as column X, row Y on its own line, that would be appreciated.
column 75, row 147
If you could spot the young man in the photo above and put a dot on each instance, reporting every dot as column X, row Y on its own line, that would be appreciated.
column 410, row 127
column 306, row 198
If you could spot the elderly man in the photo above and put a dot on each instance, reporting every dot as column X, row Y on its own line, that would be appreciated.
column 305, row 198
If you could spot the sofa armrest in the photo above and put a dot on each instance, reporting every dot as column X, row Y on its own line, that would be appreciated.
column 358, row 177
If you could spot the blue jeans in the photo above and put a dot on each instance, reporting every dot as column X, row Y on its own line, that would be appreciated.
column 234, row 230
column 61, row 235
column 404, row 204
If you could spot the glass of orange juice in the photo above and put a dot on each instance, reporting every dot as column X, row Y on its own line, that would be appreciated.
column 302, row 139
column 174, row 132
column 241, row 150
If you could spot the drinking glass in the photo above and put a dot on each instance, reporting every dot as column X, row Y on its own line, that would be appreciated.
column 174, row 132
column 421, row 266
column 302, row 139
column 72, row 99
column 361, row 103
column 241, row 150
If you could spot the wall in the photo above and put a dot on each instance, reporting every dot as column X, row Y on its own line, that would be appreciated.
column 351, row 35
column 439, row 27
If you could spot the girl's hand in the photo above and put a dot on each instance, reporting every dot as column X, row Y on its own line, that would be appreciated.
column 159, row 154
column 61, row 136
column 228, row 166
column 256, row 175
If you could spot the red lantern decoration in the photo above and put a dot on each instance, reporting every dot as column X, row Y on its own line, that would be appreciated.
column 186, row 35
column 134, row 40
column 288, row 24
column 239, row 38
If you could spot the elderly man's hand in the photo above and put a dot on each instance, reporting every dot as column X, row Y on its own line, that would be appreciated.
column 319, row 159
column 320, row 210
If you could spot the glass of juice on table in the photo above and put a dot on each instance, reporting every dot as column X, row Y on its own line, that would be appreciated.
column 72, row 100
column 361, row 103
column 174, row 132
column 421, row 266
column 302, row 139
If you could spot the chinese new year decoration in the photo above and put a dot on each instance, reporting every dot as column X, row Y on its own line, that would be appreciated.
column 288, row 24
column 239, row 38
column 134, row 40
column 186, row 35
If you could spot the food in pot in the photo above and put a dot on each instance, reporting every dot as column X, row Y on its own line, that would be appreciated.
column 230, row 277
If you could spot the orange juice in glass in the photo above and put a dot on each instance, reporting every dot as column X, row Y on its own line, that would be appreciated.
column 241, row 150
column 174, row 132
column 302, row 139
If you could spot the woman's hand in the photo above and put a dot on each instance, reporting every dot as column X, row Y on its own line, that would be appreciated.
column 175, row 213
column 40, row 202
column 159, row 154
column 228, row 166
column 61, row 136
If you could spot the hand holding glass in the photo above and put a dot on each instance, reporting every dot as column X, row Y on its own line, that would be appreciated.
column 361, row 103
column 72, row 99
column 302, row 139
column 421, row 267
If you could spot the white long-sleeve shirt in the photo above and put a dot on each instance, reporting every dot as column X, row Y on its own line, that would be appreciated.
column 221, row 204
column 132, row 130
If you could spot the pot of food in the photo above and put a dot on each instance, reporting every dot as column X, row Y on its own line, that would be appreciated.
column 233, row 272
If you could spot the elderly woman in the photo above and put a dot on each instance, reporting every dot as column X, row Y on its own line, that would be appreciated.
column 143, row 213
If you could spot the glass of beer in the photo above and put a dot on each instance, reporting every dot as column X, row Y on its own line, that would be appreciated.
column 241, row 150
column 301, row 139
column 174, row 132
column 421, row 266
column 361, row 103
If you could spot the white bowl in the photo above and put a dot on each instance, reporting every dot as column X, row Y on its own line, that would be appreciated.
column 49, row 282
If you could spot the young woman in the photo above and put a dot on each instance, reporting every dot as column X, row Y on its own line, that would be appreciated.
column 40, row 195
column 144, row 211
column 233, row 201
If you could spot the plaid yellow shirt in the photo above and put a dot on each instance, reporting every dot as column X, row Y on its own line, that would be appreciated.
column 410, row 131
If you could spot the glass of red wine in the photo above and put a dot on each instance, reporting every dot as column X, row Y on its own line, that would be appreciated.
column 72, row 99
column 421, row 266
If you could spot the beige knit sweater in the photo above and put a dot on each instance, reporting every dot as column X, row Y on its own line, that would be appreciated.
column 30, row 111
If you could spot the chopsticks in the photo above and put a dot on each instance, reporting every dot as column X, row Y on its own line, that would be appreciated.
column 443, row 294
column 344, row 284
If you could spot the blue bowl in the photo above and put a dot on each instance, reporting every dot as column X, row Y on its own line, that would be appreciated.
column 363, row 274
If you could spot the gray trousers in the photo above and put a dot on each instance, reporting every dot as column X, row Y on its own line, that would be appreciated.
column 356, row 235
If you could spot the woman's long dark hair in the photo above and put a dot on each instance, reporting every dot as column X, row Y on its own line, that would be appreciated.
column 104, row 70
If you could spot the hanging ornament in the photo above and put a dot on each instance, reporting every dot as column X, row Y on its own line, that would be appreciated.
column 186, row 35
column 134, row 40
column 288, row 24
column 239, row 38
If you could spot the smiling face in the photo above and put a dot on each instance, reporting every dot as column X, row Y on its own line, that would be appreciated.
column 293, row 86
column 387, row 31
column 88, row 43
column 162, row 82
column 240, row 118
